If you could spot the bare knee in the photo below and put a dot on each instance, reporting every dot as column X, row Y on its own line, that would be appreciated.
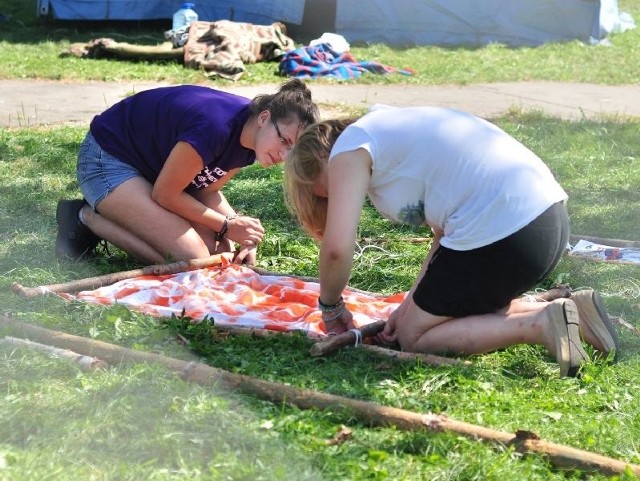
column 186, row 247
column 413, row 330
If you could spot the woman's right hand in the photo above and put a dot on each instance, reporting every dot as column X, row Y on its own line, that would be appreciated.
column 340, row 324
column 245, row 230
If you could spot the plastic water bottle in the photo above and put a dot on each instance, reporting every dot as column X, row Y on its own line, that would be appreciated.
column 184, row 16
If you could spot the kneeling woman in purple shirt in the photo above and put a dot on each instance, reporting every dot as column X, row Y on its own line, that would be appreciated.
column 152, row 167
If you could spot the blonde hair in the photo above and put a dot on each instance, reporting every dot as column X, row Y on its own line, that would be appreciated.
column 303, row 166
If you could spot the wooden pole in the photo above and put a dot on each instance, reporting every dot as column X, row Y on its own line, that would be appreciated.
column 557, row 292
column 107, row 47
column 351, row 338
column 108, row 279
column 348, row 338
column 429, row 359
column 86, row 363
column 368, row 413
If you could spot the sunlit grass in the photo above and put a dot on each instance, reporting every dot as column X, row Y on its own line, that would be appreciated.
column 32, row 48
column 139, row 420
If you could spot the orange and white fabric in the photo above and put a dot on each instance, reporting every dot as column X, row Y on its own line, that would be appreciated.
column 235, row 295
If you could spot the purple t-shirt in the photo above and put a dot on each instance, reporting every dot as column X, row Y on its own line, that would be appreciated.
column 141, row 130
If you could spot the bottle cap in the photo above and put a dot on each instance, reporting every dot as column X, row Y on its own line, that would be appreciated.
column 188, row 5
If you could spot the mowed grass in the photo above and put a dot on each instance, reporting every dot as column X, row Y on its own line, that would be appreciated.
column 135, row 422
column 32, row 48
column 53, row 411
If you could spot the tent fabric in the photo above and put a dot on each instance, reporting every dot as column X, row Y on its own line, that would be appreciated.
column 470, row 22
column 237, row 296
column 601, row 252
column 262, row 12
column 394, row 22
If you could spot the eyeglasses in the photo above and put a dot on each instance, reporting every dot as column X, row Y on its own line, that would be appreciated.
column 285, row 143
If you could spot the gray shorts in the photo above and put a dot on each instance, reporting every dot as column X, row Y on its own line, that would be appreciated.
column 99, row 173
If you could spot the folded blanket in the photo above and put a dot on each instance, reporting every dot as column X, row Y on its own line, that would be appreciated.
column 237, row 296
column 322, row 61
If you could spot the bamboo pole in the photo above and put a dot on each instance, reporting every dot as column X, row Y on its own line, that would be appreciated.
column 108, row 279
column 365, row 412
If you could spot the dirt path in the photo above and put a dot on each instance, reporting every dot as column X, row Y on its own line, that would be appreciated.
column 26, row 103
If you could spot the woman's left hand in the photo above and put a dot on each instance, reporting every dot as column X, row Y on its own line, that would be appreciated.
column 388, row 335
column 246, row 255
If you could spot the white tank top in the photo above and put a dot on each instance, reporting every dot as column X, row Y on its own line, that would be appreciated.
column 452, row 171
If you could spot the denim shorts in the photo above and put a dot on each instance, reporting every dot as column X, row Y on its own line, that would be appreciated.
column 99, row 173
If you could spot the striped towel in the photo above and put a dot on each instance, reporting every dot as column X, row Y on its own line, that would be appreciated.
column 322, row 61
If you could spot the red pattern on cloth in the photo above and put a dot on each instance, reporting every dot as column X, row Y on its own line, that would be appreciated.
column 237, row 296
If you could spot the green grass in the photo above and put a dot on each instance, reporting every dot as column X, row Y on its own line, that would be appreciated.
column 109, row 424
column 136, row 422
column 31, row 49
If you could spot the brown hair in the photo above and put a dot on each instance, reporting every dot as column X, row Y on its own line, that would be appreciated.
column 302, row 168
column 293, row 99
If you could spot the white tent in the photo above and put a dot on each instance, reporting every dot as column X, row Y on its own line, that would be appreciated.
column 394, row 22
column 476, row 22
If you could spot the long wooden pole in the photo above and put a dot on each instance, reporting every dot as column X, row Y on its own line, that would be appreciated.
column 350, row 338
column 90, row 283
column 366, row 412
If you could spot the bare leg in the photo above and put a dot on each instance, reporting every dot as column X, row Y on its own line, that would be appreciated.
column 419, row 331
column 131, row 220
column 120, row 237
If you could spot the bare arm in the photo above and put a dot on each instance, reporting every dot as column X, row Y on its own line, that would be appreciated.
column 388, row 335
column 181, row 167
column 348, row 182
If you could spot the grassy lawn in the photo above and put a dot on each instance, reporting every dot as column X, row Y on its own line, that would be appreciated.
column 134, row 422
column 31, row 48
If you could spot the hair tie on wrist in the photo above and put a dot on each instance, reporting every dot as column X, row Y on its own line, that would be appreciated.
column 225, row 227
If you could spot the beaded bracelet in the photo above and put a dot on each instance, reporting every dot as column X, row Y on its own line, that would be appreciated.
column 328, row 316
column 225, row 227
column 330, row 307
